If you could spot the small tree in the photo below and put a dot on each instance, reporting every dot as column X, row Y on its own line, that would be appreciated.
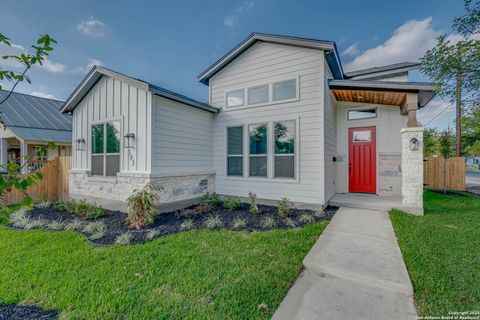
column 430, row 142
column 142, row 206
column 10, row 172
column 445, row 150
column 453, row 66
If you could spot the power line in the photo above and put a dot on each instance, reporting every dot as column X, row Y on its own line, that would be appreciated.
column 438, row 114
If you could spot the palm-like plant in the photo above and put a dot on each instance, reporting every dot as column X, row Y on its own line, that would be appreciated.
column 142, row 206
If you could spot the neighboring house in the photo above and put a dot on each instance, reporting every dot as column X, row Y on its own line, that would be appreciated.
column 28, row 122
column 283, row 120
column 473, row 161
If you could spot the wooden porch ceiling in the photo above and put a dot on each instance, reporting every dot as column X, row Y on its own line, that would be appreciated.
column 370, row 96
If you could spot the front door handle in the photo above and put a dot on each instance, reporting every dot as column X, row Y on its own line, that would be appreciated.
column 349, row 168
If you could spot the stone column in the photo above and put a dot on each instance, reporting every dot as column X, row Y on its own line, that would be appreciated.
column 412, row 171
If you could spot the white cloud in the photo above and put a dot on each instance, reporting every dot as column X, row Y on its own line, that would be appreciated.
column 51, row 66
column 351, row 50
column 232, row 19
column 43, row 95
column 15, row 49
column 408, row 43
column 229, row 21
column 92, row 27
column 90, row 64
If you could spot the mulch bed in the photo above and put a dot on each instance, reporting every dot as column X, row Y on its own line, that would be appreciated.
column 450, row 193
column 170, row 223
column 18, row 312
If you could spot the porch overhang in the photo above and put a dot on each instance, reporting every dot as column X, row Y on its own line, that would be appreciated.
column 408, row 96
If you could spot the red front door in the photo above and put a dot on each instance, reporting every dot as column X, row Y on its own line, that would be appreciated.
column 362, row 162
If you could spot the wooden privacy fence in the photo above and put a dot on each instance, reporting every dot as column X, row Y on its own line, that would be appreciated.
column 52, row 187
column 433, row 173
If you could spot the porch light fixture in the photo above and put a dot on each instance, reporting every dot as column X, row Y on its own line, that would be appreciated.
column 80, row 144
column 128, row 140
column 414, row 144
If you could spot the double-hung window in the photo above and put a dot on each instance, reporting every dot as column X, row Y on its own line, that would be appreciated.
column 106, row 149
column 257, row 134
column 235, row 151
column 284, row 135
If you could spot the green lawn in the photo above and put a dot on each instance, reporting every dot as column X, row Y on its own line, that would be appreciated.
column 193, row 275
column 442, row 253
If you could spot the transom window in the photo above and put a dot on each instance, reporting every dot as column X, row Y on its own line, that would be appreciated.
column 235, row 151
column 258, row 150
column 362, row 114
column 235, row 98
column 284, row 133
column 106, row 149
column 258, row 94
column 285, row 90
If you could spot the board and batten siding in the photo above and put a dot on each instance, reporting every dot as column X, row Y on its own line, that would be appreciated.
column 182, row 138
column 111, row 99
column 330, row 134
column 265, row 63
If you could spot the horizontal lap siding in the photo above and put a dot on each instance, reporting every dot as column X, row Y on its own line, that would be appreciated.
column 182, row 138
column 111, row 99
column 261, row 64
column 330, row 138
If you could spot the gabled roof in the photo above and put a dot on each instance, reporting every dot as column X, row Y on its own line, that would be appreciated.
column 329, row 47
column 34, row 118
column 382, row 70
column 97, row 72
column 426, row 91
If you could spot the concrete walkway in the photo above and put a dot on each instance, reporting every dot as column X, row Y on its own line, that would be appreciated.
column 355, row 270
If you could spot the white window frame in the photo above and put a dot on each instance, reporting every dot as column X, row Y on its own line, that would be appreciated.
column 295, row 150
column 287, row 99
column 362, row 109
column 239, row 105
column 235, row 155
column 269, row 102
column 270, row 152
column 104, row 154
column 258, row 155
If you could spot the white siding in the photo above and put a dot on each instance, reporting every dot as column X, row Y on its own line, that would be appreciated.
column 330, row 134
column 261, row 64
column 182, row 138
column 111, row 99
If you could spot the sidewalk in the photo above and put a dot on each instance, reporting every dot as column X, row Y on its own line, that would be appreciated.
column 355, row 270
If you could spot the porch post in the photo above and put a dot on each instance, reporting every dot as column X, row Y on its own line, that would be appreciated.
column 410, row 108
column 23, row 152
column 3, row 152
column 412, row 170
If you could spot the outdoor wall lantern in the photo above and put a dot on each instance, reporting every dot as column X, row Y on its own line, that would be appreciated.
column 80, row 144
column 128, row 140
column 414, row 144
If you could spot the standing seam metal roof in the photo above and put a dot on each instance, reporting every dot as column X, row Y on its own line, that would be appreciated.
column 35, row 118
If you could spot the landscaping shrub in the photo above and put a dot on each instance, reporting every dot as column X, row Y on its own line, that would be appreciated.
column 211, row 198
column 239, row 223
column 319, row 214
column 19, row 218
column 213, row 222
column 55, row 225
column 75, row 224
column 290, row 223
column 306, row 218
column 253, row 203
column 141, row 206
column 81, row 208
column 202, row 208
column 124, row 238
column 152, row 233
column 232, row 204
column 187, row 225
column 268, row 222
column 96, row 230
column 35, row 224
column 283, row 207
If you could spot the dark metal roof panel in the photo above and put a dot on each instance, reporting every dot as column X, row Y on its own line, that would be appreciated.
column 390, row 67
column 47, row 135
column 33, row 112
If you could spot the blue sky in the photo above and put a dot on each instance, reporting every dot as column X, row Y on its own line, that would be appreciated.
column 169, row 43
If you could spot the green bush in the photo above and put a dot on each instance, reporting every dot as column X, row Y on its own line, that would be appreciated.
column 239, row 223
column 232, row 204
column 306, row 218
column 269, row 223
column 283, row 207
column 253, row 203
column 213, row 222
column 211, row 198
column 124, row 239
column 187, row 225
column 142, row 206
column 81, row 208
